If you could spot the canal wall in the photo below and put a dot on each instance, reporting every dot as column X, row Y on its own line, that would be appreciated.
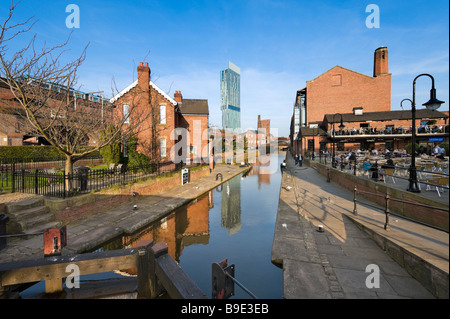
column 82, row 206
column 430, row 216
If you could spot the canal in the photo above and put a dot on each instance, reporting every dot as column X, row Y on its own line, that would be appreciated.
column 235, row 221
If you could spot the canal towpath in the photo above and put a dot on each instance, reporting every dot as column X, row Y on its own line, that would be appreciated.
column 91, row 232
column 351, row 257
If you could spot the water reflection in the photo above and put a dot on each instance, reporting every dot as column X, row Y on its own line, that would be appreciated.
column 187, row 225
column 231, row 205
column 235, row 222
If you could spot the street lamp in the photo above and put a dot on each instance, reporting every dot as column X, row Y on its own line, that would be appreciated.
column 432, row 105
column 341, row 126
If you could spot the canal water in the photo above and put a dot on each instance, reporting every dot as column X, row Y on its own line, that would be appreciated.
column 235, row 221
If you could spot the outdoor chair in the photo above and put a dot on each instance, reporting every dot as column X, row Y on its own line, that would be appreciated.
column 437, row 183
column 389, row 172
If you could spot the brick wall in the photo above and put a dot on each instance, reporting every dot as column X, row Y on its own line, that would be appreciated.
column 87, row 205
column 339, row 90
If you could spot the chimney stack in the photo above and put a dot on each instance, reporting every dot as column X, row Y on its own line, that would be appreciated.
column 381, row 64
column 178, row 97
column 143, row 77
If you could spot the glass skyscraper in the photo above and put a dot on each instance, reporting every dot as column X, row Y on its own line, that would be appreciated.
column 230, row 97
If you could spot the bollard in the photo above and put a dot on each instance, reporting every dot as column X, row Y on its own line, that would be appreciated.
column 386, row 211
column 355, row 211
column 328, row 175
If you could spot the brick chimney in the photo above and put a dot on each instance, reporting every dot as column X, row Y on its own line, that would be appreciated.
column 381, row 64
column 143, row 72
column 178, row 97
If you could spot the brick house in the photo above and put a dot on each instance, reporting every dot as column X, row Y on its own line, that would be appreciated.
column 166, row 114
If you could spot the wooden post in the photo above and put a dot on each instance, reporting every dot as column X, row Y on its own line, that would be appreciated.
column 144, row 278
column 157, row 250
column 53, row 285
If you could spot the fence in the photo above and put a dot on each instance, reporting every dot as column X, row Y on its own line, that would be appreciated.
column 387, row 207
column 6, row 166
column 56, row 183
column 435, row 178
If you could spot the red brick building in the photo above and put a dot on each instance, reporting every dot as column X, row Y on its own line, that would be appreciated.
column 264, row 126
column 156, row 132
column 339, row 90
column 363, row 103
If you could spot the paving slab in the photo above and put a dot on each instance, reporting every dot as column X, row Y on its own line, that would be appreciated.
column 412, row 259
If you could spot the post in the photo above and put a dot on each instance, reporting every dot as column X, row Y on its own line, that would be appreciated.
column 36, row 188
column 157, row 250
column 13, row 175
column 328, row 174
column 64, row 183
column 355, row 211
column 386, row 211
column 144, row 277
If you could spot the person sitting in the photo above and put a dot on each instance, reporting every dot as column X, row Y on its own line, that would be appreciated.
column 367, row 166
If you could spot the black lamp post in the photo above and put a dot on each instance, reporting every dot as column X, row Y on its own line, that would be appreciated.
column 433, row 104
column 341, row 126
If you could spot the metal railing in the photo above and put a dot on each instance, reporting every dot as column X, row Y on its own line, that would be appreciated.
column 56, row 183
column 387, row 208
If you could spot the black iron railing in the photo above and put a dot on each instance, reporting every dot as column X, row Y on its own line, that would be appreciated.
column 56, row 183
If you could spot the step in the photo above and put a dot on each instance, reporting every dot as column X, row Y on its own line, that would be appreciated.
column 24, row 204
column 29, row 213
column 42, row 227
column 36, row 221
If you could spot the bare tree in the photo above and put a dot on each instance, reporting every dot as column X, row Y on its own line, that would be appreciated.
column 42, row 84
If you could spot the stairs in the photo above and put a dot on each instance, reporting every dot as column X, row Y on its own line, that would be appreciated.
column 29, row 216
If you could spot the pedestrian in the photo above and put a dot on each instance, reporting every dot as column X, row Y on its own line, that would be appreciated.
column 296, row 159
column 300, row 160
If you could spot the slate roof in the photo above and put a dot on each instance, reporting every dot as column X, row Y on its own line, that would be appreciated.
column 194, row 106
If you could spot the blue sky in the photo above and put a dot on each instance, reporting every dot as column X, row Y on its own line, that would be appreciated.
column 279, row 45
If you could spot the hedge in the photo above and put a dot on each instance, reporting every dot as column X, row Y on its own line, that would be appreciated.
column 30, row 153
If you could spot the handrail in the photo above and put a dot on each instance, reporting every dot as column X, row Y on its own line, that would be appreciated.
column 387, row 208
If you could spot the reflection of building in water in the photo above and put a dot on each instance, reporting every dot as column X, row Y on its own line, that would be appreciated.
column 231, row 205
column 263, row 170
column 187, row 225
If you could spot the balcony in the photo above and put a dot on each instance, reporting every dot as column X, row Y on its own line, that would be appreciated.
column 390, row 132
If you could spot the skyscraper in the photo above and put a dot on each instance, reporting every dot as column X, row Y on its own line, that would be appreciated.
column 230, row 97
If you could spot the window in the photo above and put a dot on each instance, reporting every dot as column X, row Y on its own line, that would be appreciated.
column 163, row 147
column 336, row 80
column 162, row 114
column 126, row 113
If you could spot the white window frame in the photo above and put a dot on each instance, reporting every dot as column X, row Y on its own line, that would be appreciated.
column 126, row 113
column 162, row 114
column 163, row 147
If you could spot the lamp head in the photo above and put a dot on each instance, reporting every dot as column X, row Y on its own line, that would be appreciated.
column 433, row 104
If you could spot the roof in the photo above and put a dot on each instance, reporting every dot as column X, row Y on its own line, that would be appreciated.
column 343, row 68
column 384, row 116
column 194, row 106
column 312, row 131
column 134, row 84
